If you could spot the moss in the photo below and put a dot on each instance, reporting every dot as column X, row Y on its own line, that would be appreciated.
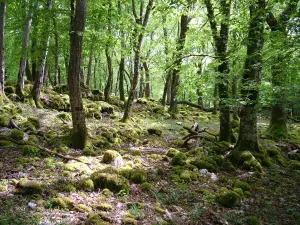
column 85, row 184
column 110, row 155
column 205, row 191
column 218, row 159
column 83, row 208
column 113, row 182
column 175, row 178
column 9, row 90
column 228, row 166
column 69, row 188
column 273, row 152
column 247, row 193
column 179, row 159
column 34, row 121
column 4, row 120
column 186, row 175
column 172, row 152
column 3, row 188
column 101, row 142
column 252, row 220
column 88, row 151
column 129, row 221
column 228, row 200
column 203, row 164
column 27, row 126
column 95, row 220
column 63, row 203
column 104, row 207
column 136, row 152
column 63, row 148
column 243, row 185
column 17, row 135
column 159, row 209
column 29, row 150
column 235, row 123
column 7, row 144
column 64, row 116
column 155, row 131
column 194, row 176
column 147, row 187
column 139, row 176
column 190, row 166
column 30, row 187
column 194, row 152
column 239, row 191
column 106, row 192
column 106, row 107
column 293, row 164
column 246, row 160
column 276, row 132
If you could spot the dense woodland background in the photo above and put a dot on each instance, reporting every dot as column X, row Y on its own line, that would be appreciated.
column 224, row 71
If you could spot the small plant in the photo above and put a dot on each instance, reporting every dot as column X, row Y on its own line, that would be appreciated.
column 123, row 194
column 135, row 210
column 197, row 213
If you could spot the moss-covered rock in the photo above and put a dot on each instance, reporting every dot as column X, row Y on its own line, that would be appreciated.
column 129, row 221
column 179, row 159
column 104, row 207
column 139, row 176
column 26, row 186
column 34, row 121
column 62, row 203
column 243, row 185
column 246, row 160
column 147, row 187
column 4, row 120
column 64, row 116
column 204, row 163
column 155, row 131
column 3, row 188
column 6, row 144
column 186, row 175
column 228, row 166
column 113, row 182
column 106, row 192
column 30, row 150
column 17, row 135
column 27, row 126
column 83, row 208
column 293, row 164
column 252, row 220
column 229, row 199
column 172, row 152
column 239, row 191
column 95, row 220
column 85, row 184
column 111, row 156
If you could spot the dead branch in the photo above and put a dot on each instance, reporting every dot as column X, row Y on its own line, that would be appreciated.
column 195, row 106
column 201, row 137
column 14, row 125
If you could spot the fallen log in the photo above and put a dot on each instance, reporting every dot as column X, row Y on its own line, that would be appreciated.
column 195, row 106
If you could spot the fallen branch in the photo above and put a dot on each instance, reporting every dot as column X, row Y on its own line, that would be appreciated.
column 293, row 119
column 14, row 125
column 199, row 136
column 195, row 106
column 67, row 157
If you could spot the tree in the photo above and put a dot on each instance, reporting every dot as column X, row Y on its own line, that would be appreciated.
column 248, row 140
column 220, row 47
column 2, row 64
column 80, row 137
column 278, row 128
column 24, row 56
column 141, row 22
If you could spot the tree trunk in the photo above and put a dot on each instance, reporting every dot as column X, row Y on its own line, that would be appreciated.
column 221, row 42
column 137, row 49
column 167, row 88
column 216, row 91
column 95, row 71
column 110, row 77
column 141, row 92
column 2, row 64
column 39, row 79
column 56, row 54
column 78, row 17
column 178, row 60
column 147, row 76
column 23, row 60
column 247, row 140
column 121, row 79
column 234, row 97
column 278, row 124
column 89, row 75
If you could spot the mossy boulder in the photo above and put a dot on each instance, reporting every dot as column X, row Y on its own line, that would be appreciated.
column 17, row 135
column 229, row 199
column 9, row 90
column 3, row 188
column 64, row 116
column 111, row 156
column 246, row 160
column 26, row 186
column 239, row 191
column 243, row 185
column 7, row 144
column 172, row 152
column 85, row 184
column 186, row 175
column 179, row 159
column 62, row 203
column 4, row 120
column 95, row 220
column 104, row 207
column 147, row 187
column 106, row 107
column 31, row 150
column 138, row 176
column 228, row 166
column 35, row 122
column 155, row 131
column 205, row 163
column 129, row 221
column 111, row 181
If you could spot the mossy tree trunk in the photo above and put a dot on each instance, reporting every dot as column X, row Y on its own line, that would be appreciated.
column 278, row 124
column 41, row 63
column 147, row 76
column 248, row 140
column 220, row 45
column 78, row 17
column 90, row 66
column 23, row 60
column 141, row 91
column 184, row 21
column 122, row 61
column 2, row 64
column 234, row 90
column 95, row 71
column 141, row 22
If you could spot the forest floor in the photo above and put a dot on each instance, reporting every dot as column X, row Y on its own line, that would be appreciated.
column 58, row 191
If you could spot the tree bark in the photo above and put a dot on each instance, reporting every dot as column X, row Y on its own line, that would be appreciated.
column 184, row 21
column 234, row 97
column 89, row 75
column 248, row 140
column 110, row 77
column 147, row 76
column 221, row 43
column 141, row 92
column 56, row 53
column 2, row 63
column 95, row 71
column 278, row 125
column 78, row 17
column 137, row 49
column 167, row 88
column 23, row 60
column 39, row 79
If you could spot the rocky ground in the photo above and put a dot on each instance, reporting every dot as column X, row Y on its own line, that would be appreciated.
column 138, row 172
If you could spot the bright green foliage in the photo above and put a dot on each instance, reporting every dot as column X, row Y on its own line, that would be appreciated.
column 229, row 199
column 179, row 159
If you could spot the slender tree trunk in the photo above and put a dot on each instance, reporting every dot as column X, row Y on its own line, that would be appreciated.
column 141, row 92
column 178, row 60
column 216, row 91
column 78, row 18
column 109, row 83
column 28, row 71
column 2, row 64
column 89, row 75
column 46, row 75
column 39, row 79
column 121, row 79
column 234, row 96
column 23, row 60
column 34, row 50
column 167, row 88
column 137, row 49
column 248, row 140
column 95, row 71
column 147, row 76
column 56, row 53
